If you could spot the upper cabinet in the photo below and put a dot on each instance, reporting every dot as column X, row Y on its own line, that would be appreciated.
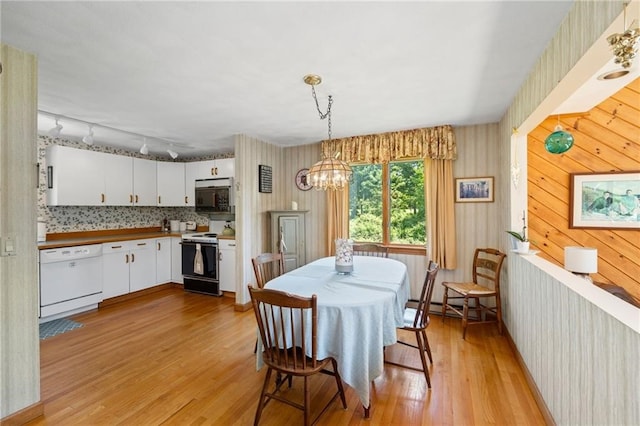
column 208, row 169
column 144, row 182
column 79, row 177
column 171, row 187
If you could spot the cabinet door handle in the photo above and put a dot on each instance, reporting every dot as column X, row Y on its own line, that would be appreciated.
column 133, row 257
column 142, row 244
column 126, row 256
column 115, row 247
column 159, row 200
column 186, row 199
column 131, row 198
column 158, row 246
column 136, row 198
column 219, row 255
column 214, row 171
column 102, row 198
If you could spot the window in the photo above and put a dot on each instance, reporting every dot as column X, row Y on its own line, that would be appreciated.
column 386, row 203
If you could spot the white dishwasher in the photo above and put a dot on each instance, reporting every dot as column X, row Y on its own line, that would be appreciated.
column 70, row 280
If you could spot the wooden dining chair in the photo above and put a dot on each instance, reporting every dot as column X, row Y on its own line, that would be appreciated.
column 416, row 320
column 370, row 249
column 487, row 263
column 288, row 328
column 267, row 266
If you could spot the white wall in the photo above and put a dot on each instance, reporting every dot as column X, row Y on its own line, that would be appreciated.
column 19, row 336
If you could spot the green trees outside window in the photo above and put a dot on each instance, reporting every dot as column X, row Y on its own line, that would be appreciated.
column 386, row 203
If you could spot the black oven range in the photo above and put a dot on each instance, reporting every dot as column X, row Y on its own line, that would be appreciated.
column 200, row 263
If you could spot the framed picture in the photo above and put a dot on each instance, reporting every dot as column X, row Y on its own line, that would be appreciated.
column 474, row 190
column 609, row 200
column 265, row 179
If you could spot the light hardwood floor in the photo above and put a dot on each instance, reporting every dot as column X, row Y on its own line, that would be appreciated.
column 176, row 358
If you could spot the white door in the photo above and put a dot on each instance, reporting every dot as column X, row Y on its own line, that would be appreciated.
column 144, row 182
column 176, row 260
column 163, row 260
column 115, row 269
column 75, row 177
column 171, row 184
column 227, row 255
column 142, row 269
column 226, row 167
column 118, row 180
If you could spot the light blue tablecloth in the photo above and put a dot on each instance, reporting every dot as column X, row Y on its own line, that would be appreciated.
column 357, row 313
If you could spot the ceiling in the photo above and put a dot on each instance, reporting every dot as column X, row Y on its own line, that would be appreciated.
column 194, row 74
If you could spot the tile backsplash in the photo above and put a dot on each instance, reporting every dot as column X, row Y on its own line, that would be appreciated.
column 91, row 218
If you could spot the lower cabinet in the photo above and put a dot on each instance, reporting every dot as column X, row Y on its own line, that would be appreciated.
column 163, row 260
column 176, row 260
column 128, row 266
column 227, row 256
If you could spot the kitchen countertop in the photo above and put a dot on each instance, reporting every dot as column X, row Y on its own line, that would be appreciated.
column 100, row 237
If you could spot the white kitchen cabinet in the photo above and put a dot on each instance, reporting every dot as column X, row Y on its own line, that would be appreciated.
column 142, row 269
column 171, row 184
column 128, row 266
column 176, row 260
column 208, row 169
column 75, row 177
column 163, row 260
column 225, row 167
column 115, row 269
column 80, row 177
column 118, row 179
column 144, row 182
column 288, row 236
column 227, row 256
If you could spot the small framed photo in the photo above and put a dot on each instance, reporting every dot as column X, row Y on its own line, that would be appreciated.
column 609, row 200
column 474, row 190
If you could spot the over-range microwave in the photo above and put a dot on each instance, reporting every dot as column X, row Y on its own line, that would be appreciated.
column 215, row 196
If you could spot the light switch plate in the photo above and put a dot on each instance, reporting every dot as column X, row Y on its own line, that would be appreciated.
column 8, row 246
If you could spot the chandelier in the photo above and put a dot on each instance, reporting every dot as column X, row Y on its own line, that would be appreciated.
column 624, row 44
column 330, row 172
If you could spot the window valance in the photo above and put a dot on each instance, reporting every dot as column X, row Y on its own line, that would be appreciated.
column 437, row 143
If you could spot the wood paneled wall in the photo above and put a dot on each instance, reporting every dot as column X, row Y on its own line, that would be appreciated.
column 607, row 138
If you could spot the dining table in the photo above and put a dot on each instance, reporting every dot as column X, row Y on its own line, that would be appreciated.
column 358, row 313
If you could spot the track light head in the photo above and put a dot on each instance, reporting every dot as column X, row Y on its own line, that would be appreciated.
column 172, row 153
column 55, row 131
column 89, row 138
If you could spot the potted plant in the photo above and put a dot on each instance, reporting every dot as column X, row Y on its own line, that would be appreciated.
column 522, row 242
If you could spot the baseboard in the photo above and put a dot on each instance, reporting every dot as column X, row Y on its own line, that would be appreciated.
column 537, row 396
column 129, row 296
column 239, row 307
column 23, row 416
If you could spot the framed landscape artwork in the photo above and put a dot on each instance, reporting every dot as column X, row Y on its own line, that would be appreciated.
column 605, row 200
column 474, row 190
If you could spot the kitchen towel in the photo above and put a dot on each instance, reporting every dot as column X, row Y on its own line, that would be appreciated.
column 198, row 267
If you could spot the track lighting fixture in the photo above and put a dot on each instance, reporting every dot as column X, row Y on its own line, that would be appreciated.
column 172, row 153
column 144, row 150
column 89, row 138
column 55, row 131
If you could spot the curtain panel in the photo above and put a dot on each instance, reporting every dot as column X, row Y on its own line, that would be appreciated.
column 437, row 143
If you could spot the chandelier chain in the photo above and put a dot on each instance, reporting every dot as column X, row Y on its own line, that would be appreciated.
column 327, row 114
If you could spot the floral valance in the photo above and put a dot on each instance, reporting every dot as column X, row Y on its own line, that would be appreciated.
column 433, row 142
